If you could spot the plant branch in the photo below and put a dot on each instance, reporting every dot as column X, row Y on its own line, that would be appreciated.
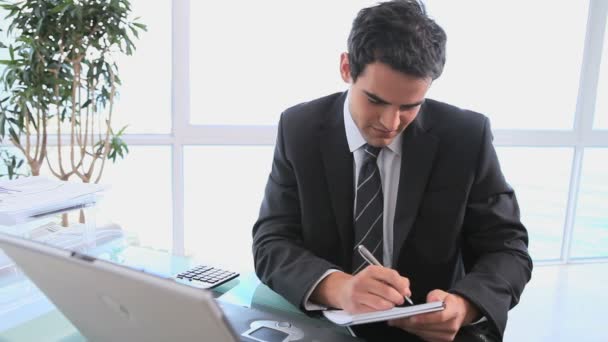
column 106, row 148
column 37, row 134
column 42, row 155
column 27, row 128
column 59, row 144
column 20, row 148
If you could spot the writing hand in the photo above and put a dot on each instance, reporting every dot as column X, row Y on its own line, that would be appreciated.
column 441, row 325
column 373, row 288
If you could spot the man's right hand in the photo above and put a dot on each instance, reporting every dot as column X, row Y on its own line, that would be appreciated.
column 373, row 288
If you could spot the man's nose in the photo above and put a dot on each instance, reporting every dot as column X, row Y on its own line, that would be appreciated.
column 390, row 119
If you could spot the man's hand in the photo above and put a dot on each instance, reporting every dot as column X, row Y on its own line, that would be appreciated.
column 441, row 325
column 374, row 288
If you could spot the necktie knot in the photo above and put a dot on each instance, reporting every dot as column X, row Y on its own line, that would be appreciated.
column 372, row 151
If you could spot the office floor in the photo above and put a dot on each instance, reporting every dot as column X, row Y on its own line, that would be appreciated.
column 562, row 303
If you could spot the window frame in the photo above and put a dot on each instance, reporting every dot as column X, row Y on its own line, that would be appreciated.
column 185, row 134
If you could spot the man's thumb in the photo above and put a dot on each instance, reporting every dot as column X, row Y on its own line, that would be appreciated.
column 436, row 295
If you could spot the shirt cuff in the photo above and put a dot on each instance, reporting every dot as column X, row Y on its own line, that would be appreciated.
column 309, row 305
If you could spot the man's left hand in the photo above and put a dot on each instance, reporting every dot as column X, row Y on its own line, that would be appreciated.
column 440, row 325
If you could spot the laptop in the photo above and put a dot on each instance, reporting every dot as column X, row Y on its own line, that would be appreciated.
column 111, row 302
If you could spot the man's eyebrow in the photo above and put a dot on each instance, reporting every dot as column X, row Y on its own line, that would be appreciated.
column 382, row 101
column 375, row 97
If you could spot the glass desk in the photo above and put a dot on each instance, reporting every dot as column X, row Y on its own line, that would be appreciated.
column 26, row 314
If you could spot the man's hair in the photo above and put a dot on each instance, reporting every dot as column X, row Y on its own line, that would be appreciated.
column 400, row 34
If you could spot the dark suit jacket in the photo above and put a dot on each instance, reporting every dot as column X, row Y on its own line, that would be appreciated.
column 456, row 227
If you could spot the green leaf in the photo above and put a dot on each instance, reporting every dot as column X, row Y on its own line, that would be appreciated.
column 13, row 134
column 121, row 131
column 60, row 8
column 2, row 126
column 141, row 26
column 134, row 31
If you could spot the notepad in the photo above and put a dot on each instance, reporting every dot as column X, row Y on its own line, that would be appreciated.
column 343, row 318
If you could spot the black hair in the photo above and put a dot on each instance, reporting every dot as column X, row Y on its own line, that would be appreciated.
column 400, row 34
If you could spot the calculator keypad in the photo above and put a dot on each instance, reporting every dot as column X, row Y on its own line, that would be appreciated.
column 207, row 275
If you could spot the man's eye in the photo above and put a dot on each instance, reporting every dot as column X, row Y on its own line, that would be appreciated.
column 373, row 101
column 407, row 108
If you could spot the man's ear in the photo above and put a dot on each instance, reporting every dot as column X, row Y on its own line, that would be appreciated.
column 345, row 68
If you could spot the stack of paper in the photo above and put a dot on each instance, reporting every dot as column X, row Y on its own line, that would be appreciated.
column 26, row 198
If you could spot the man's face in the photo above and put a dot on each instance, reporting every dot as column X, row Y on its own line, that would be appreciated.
column 383, row 101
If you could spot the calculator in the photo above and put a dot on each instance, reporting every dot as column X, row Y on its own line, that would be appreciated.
column 205, row 277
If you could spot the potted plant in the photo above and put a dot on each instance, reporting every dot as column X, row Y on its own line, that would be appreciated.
column 61, row 79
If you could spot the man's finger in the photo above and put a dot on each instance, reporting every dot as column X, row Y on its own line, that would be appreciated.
column 384, row 290
column 433, row 318
column 436, row 295
column 374, row 302
column 390, row 277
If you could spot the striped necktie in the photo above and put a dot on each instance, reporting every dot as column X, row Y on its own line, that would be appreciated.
column 369, row 208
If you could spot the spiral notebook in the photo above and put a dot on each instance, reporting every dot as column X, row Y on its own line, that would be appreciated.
column 343, row 318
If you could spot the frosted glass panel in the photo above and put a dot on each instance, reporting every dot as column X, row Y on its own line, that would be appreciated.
column 516, row 61
column 590, row 238
column 540, row 177
column 224, row 187
column 249, row 65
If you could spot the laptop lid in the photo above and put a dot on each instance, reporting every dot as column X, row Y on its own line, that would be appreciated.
column 110, row 302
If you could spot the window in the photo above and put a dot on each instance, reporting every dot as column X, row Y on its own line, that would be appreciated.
column 590, row 239
column 540, row 177
column 224, row 187
column 9, row 152
column 144, row 102
column 139, row 199
column 249, row 68
column 4, row 55
column 514, row 61
column 203, row 93
column 144, row 98
column 601, row 107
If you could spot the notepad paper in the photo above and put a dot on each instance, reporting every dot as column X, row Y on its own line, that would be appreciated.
column 341, row 317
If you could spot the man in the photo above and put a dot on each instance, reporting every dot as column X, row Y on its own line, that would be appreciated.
column 416, row 181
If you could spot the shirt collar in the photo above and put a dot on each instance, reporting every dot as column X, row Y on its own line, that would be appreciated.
column 353, row 135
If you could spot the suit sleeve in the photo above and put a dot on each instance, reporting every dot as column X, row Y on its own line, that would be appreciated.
column 496, row 243
column 281, row 259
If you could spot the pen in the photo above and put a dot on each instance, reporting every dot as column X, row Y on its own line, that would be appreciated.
column 369, row 257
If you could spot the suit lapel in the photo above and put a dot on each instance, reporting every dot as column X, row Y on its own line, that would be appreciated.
column 418, row 152
column 338, row 165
